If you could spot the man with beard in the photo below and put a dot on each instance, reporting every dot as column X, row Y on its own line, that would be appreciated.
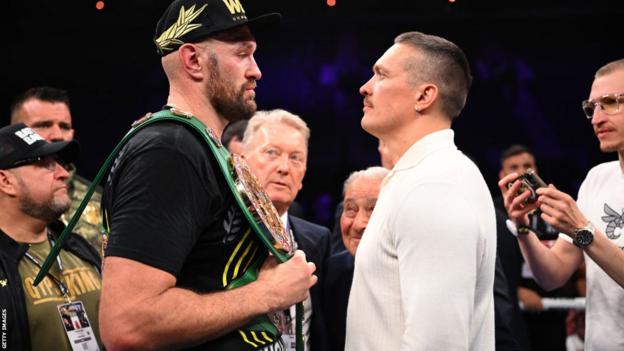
column 591, row 227
column 47, row 111
column 177, row 238
column 33, row 194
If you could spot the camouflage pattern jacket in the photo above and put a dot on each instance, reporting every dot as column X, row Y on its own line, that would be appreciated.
column 90, row 223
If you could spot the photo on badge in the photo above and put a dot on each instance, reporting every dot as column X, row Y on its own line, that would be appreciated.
column 77, row 326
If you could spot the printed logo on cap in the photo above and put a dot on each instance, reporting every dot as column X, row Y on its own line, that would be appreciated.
column 28, row 135
column 181, row 27
column 236, row 9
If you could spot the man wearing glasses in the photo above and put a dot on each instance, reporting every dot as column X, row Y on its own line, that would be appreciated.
column 47, row 111
column 33, row 194
column 590, row 227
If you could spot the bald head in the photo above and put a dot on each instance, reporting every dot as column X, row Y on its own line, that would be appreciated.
column 610, row 68
column 360, row 196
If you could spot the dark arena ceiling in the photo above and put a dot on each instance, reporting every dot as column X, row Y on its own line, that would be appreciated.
column 532, row 61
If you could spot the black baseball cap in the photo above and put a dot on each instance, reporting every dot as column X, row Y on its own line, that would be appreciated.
column 20, row 144
column 189, row 21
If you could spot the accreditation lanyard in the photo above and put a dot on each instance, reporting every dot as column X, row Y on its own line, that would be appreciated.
column 62, row 286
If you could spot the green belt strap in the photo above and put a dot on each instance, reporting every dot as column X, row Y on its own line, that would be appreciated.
column 222, row 156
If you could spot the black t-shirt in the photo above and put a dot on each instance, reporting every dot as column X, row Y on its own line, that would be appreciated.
column 169, row 206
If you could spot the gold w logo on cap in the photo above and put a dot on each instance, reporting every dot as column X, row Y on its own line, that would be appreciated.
column 234, row 6
column 181, row 27
column 3, row 283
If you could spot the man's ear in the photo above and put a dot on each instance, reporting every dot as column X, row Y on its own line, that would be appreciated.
column 191, row 60
column 426, row 95
column 8, row 182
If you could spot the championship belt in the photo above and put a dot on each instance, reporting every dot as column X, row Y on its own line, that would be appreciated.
column 247, row 191
column 260, row 206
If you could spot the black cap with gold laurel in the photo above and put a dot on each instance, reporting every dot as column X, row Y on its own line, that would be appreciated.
column 189, row 21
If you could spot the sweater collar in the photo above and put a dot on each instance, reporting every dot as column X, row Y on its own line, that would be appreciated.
column 421, row 149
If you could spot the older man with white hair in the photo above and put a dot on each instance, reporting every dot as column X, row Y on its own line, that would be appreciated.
column 360, row 193
column 275, row 145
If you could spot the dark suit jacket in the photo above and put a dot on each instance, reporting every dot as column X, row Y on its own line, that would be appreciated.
column 336, row 243
column 338, row 278
column 313, row 239
column 510, row 257
column 503, row 312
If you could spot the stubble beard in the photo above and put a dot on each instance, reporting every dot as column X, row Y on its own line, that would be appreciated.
column 47, row 211
column 611, row 147
column 607, row 146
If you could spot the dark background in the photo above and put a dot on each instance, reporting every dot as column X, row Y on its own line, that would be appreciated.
column 533, row 62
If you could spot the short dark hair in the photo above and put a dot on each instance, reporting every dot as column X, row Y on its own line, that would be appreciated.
column 234, row 130
column 48, row 94
column 515, row 150
column 445, row 65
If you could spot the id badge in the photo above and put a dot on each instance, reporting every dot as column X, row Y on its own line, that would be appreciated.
column 290, row 342
column 77, row 326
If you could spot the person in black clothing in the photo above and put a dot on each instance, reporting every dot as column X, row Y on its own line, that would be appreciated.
column 233, row 134
column 538, row 329
column 360, row 193
column 275, row 145
column 47, row 110
column 33, row 195
column 177, row 238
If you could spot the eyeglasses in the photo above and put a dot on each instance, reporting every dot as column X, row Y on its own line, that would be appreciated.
column 48, row 162
column 609, row 104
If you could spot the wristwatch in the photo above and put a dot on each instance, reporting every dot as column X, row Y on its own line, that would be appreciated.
column 584, row 236
column 524, row 229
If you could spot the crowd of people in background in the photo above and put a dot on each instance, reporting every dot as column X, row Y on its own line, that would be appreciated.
column 421, row 256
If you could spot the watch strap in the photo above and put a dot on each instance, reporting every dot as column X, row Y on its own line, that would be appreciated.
column 524, row 230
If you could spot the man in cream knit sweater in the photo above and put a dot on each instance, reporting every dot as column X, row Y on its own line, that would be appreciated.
column 425, row 266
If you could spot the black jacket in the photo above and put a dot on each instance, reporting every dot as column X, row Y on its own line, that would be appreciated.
column 314, row 241
column 14, row 328
column 338, row 279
